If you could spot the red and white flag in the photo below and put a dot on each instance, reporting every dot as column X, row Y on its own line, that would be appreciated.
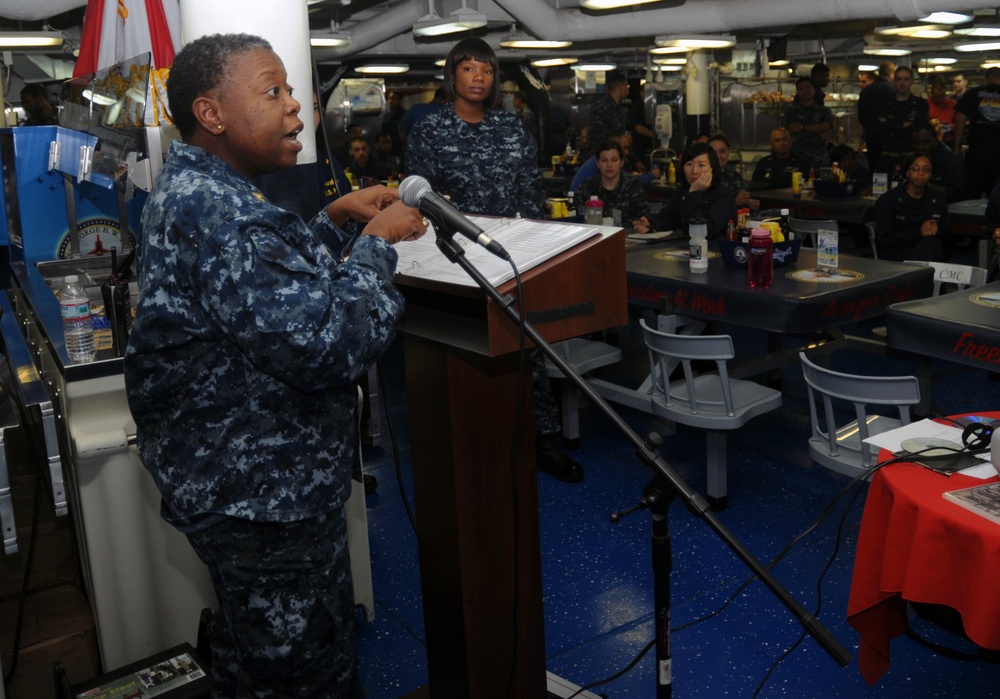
column 116, row 30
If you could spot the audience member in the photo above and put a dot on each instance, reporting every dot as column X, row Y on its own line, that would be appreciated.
column 619, row 191
column 949, row 171
column 384, row 152
column 810, row 124
column 959, row 84
column 866, row 78
column 774, row 171
column 701, row 194
column 37, row 108
column 343, row 152
column 588, row 168
column 638, row 125
column 525, row 114
column 606, row 117
column 977, row 114
column 367, row 171
column 942, row 111
column 898, row 118
column 390, row 122
column 870, row 107
column 730, row 175
column 911, row 220
column 820, row 76
column 418, row 111
column 847, row 160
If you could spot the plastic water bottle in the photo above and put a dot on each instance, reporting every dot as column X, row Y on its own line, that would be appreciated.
column 78, row 327
column 760, row 259
column 595, row 211
column 698, row 258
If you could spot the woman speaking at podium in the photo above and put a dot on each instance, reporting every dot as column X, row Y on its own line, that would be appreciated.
column 480, row 156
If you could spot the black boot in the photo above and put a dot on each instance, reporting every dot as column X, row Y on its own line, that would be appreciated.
column 551, row 459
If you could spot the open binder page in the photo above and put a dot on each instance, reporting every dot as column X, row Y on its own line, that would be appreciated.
column 528, row 242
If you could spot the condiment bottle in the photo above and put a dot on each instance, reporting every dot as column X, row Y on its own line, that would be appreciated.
column 760, row 262
column 698, row 258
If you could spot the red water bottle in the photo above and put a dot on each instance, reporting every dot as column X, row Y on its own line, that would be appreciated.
column 760, row 260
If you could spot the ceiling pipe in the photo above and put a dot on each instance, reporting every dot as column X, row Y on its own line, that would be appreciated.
column 37, row 9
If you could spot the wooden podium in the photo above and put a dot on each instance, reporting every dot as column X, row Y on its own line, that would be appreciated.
column 477, row 519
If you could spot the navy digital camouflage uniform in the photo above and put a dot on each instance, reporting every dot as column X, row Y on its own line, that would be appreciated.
column 607, row 119
column 489, row 168
column 241, row 369
column 805, row 144
column 629, row 197
column 733, row 180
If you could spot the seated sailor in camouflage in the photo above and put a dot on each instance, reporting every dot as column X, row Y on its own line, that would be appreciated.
column 616, row 189
column 251, row 332
column 473, row 150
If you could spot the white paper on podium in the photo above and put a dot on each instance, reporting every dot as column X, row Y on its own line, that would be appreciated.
column 528, row 242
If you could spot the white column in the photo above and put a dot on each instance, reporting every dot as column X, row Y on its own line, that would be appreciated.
column 284, row 24
column 696, row 89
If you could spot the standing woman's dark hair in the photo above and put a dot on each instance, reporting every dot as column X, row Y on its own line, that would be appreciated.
column 693, row 151
column 472, row 50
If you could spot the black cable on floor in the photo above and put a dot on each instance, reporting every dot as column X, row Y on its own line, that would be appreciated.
column 383, row 388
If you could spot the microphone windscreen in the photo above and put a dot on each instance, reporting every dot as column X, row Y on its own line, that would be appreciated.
column 412, row 189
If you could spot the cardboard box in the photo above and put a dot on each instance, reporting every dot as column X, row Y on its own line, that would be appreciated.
column 56, row 557
column 57, row 626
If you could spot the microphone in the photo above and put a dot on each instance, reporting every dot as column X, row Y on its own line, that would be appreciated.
column 415, row 191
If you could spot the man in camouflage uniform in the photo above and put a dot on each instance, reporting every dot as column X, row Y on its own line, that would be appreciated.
column 606, row 116
column 250, row 335
column 810, row 124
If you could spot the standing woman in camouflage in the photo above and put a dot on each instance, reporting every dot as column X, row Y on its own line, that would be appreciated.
column 480, row 155
column 473, row 150
column 251, row 332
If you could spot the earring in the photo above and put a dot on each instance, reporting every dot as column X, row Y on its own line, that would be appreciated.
column 218, row 126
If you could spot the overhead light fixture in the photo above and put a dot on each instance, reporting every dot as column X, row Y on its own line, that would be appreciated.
column 671, row 61
column 696, row 41
column 460, row 20
column 668, row 67
column 876, row 50
column 659, row 50
column 946, row 18
column 595, row 67
column 980, row 30
column 440, row 62
column 524, row 42
column 552, row 62
column 941, row 60
column 990, row 64
column 383, row 68
column 916, row 31
column 978, row 46
column 779, row 63
column 867, row 66
column 27, row 40
column 617, row 4
column 333, row 39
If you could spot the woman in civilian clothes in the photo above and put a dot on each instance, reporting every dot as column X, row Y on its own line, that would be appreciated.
column 911, row 220
column 701, row 194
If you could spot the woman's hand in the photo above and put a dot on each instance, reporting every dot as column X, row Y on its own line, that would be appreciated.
column 703, row 182
column 929, row 228
column 642, row 225
column 361, row 204
column 397, row 222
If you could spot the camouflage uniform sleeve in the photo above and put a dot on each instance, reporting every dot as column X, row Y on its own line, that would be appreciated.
column 311, row 323
column 421, row 156
column 333, row 236
column 529, row 177
column 637, row 205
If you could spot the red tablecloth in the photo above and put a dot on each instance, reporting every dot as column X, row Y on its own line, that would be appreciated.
column 916, row 546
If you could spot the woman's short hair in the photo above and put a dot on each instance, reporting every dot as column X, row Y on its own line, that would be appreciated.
column 472, row 49
column 610, row 144
column 200, row 67
column 692, row 152
column 908, row 163
column 719, row 136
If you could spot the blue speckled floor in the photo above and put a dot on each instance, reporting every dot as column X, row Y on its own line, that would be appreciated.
column 597, row 576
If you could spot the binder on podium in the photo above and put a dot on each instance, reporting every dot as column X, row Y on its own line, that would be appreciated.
column 476, row 515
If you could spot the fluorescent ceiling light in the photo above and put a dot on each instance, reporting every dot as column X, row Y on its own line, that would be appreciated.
column 668, row 67
column 595, row 67
column 980, row 30
column 696, row 41
column 946, row 18
column 460, row 20
column 440, row 62
column 550, row 62
column 521, row 41
column 14, row 40
column 990, row 64
column 979, row 46
column 874, row 50
column 671, row 61
column 916, row 31
column 779, row 63
column 331, row 39
column 383, row 68
column 670, row 49
column 867, row 66
column 613, row 4
column 941, row 61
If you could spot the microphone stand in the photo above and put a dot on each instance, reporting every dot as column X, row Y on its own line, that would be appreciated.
column 665, row 486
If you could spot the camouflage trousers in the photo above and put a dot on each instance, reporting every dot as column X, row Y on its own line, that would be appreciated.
column 547, row 423
column 285, row 625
